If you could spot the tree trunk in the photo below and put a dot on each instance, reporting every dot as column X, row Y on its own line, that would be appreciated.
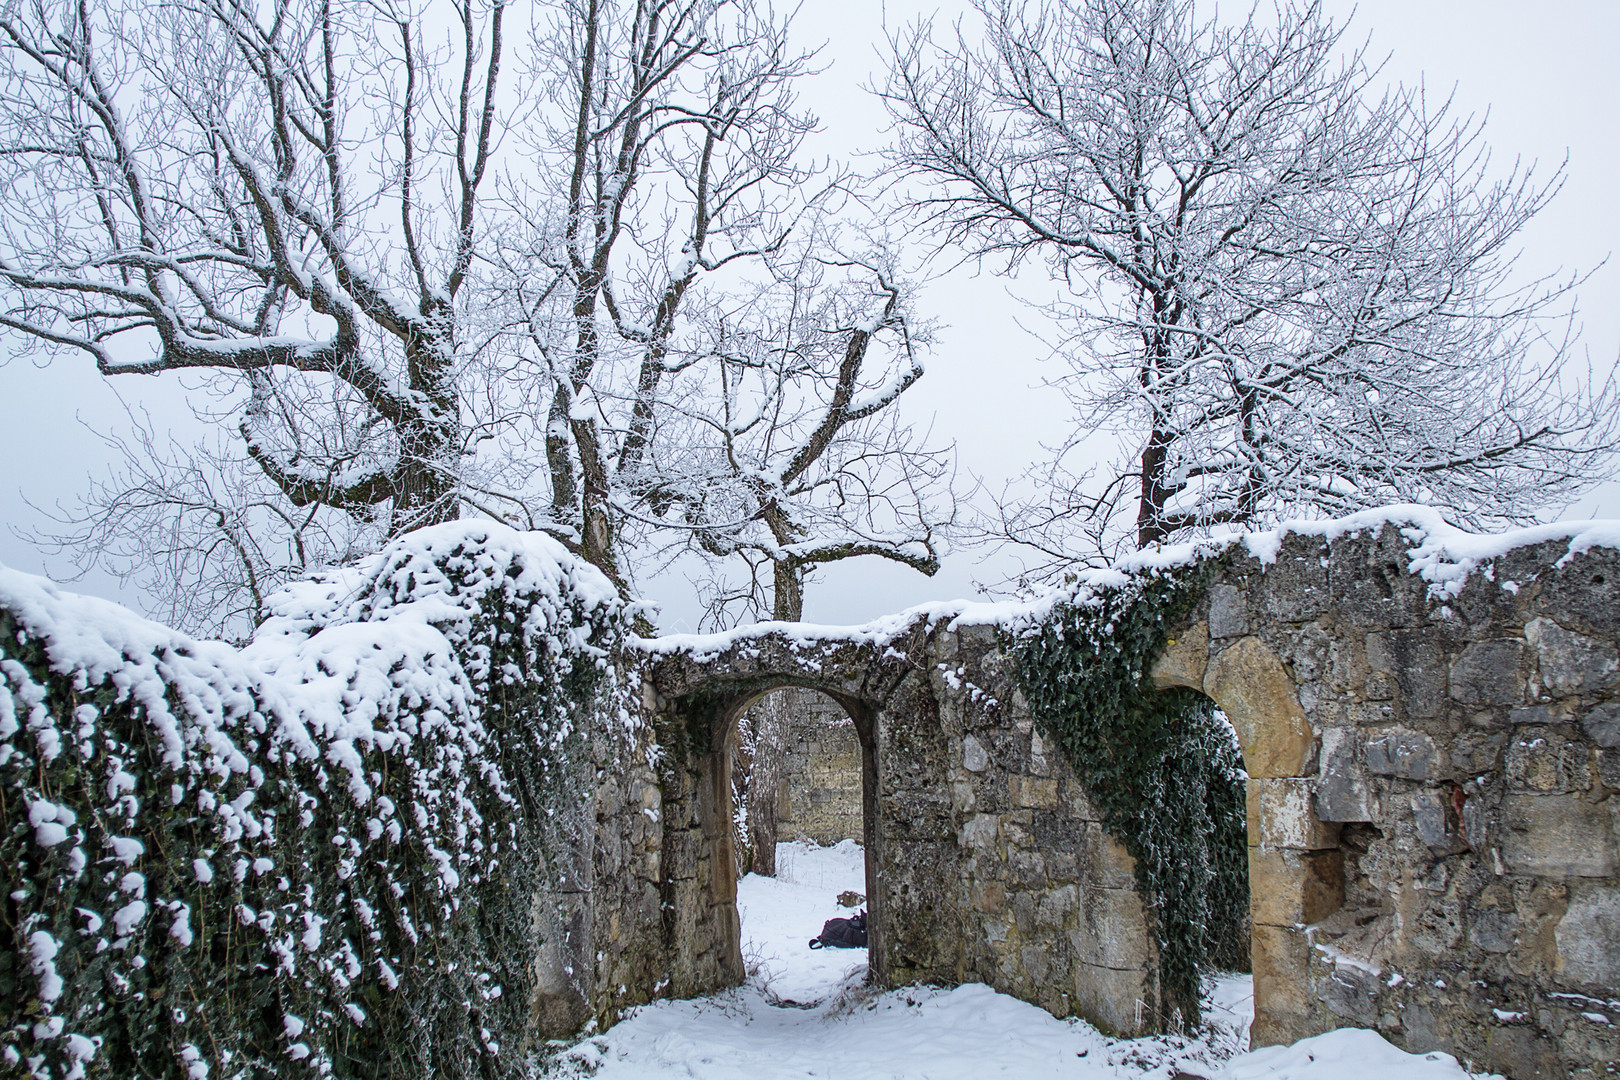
column 770, row 719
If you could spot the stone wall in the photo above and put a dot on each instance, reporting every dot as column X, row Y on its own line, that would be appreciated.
column 1434, row 801
column 819, row 798
column 985, row 859
column 1434, row 794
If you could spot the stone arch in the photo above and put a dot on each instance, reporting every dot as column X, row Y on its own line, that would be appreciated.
column 1296, row 874
column 862, row 714
column 698, row 699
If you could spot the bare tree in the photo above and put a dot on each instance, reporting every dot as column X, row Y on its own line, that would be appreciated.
column 412, row 289
column 285, row 196
column 779, row 443
column 664, row 299
column 1290, row 294
column 197, row 528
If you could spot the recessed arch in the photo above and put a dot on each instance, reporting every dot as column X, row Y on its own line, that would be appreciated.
column 711, row 717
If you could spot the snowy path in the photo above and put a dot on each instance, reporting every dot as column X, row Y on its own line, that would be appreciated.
column 806, row 1013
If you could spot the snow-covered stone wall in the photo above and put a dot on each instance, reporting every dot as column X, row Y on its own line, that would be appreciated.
column 359, row 846
column 443, row 807
column 1429, row 726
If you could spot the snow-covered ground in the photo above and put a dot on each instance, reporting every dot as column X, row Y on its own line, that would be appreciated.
column 806, row 1013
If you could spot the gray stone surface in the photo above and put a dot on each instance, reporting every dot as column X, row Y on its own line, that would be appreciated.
column 1490, row 673
column 1588, row 939
column 1558, row 836
column 1410, row 755
column 1570, row 662
column 1342, row 791
column 1602, row 725
column 1228, row 612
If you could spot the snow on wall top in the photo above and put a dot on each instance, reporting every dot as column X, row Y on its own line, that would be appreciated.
column 1441, row 553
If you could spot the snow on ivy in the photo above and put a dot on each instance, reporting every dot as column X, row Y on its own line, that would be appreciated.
column 308, row 856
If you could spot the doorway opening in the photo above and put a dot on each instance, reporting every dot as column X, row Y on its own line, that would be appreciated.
column 1199, row 835
column 798, row 787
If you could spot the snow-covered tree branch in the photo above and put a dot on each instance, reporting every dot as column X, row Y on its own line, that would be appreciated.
column 1291, row 292
column 238, row 190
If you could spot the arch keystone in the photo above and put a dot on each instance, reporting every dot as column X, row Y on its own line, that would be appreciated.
column 1248, row 682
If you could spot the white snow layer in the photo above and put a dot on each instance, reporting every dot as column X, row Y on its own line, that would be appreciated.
column 1441, row 553
column 805, row 1013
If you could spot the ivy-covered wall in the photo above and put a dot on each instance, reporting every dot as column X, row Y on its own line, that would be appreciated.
column 350, row 849
column 1431, row 755
column 1430, row 724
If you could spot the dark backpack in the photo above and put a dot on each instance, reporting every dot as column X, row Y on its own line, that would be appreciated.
column 847, row 933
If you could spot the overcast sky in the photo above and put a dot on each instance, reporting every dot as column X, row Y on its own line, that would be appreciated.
column 1543, row 71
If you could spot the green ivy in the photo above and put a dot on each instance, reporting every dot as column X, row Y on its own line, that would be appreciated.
column 1162, row 767
column 286, row 926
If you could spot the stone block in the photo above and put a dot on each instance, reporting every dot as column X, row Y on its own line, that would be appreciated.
column 989, row 898
column 1028, row 869
column 1520, row 1051
column 1557, row 836
column 1282, row 1005
column 1410, row 755
column 1609, row 768
column 1111, row 930
column 1543, row 760
column 979, row 832
column 975, row 758
column 1107, row 998
column 1494, row 931
column 1602, row 725
column 1228, row 612
column 1588, row 939
column 1535, row 714
column 1288, row 888
column 1248, row 682
column 1342, row 792
column 1034, row 792
column 1281, row 814
column 1053, row 908
column 1183, row 660
column 1418, row 664
column 1571, row 663
column 1036, row 967
column 1038, row 764
column 1429, row 811
column 1350, row 992
column 1490, row 673
column 1104, row 862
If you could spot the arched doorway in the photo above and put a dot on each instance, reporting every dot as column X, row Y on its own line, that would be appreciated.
column 799, row 813
column 1296, row 870
column 796, row 776
column 702, row 863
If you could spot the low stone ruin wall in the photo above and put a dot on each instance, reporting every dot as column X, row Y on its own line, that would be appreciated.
column 1430, row 735
column 1442, row 865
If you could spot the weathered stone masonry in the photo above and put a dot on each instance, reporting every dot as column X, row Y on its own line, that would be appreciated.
column 1434, row 792
column 1434, row 805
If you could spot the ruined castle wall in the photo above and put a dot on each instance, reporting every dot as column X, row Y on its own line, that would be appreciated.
column 1434, row 801
column 1444, row 866
column 819, row 799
